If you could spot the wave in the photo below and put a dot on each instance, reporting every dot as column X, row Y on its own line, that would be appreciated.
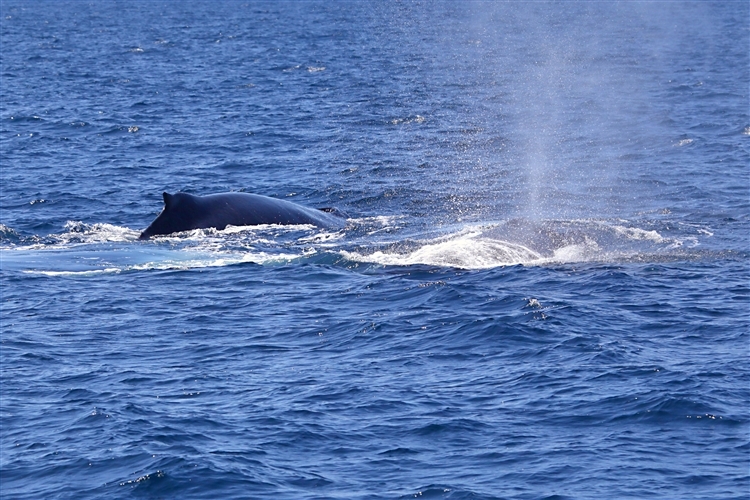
column 94, row 249
column 466, row 250
column 524, row 242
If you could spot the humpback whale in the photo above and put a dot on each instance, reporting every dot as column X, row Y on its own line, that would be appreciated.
column 183, row 212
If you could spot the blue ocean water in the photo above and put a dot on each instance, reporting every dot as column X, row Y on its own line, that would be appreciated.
column 542, row 290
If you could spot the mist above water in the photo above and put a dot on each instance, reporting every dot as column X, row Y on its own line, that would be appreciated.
column 557, row 111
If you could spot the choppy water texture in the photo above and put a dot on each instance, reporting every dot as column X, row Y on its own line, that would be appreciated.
column 541, row 291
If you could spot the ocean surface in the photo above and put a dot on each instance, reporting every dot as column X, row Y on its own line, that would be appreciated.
column 542, row 290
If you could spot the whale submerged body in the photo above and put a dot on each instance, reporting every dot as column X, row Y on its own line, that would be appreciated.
column 183, row 212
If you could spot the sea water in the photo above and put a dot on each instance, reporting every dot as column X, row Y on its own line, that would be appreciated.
column 541, row 290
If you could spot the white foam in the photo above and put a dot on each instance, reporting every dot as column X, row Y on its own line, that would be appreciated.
column 575, row 253
column 91, row 249
column 533, row 303
column 212, row 239
column 635, row 233
column 325, row 239
column 464, row 251
column 89, row 272
column 96, row 233
column 482, row 247
column 381, row 220
column 95, row 249
column 183, row 262
column 380, row 223
column 416, row 119
column 265, row 227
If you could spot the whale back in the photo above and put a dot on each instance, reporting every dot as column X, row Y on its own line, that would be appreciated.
column 184, row 212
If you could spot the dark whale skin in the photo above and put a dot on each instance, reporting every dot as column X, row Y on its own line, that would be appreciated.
column 183, row 212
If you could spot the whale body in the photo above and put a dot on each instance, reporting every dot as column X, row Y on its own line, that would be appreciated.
column 183, row 212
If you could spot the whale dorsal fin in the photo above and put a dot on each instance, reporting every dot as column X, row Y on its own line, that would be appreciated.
column 167, row 200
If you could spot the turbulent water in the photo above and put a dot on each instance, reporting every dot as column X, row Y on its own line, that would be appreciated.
column 542, row 289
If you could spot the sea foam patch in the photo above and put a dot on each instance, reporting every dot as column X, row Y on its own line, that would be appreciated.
column 465, row 250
